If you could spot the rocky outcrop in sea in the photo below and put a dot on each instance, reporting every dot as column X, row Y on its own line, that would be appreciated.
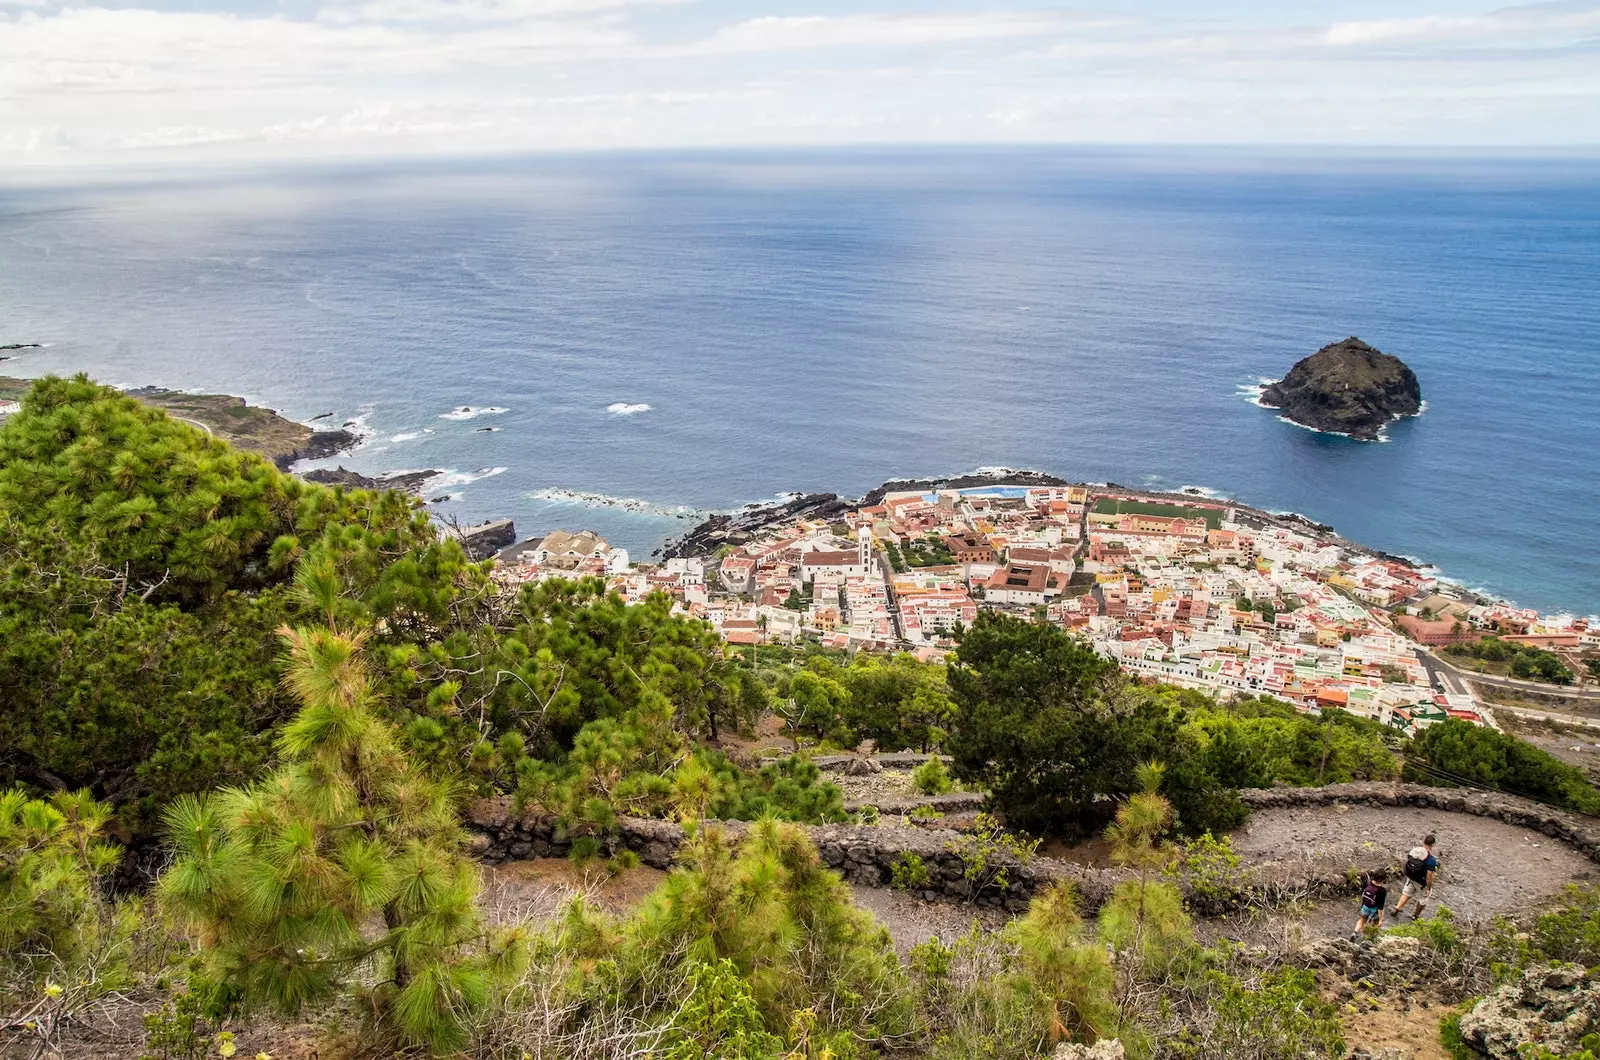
column 1347, row 388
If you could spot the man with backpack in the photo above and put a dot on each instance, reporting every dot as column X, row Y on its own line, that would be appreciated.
column 1419, row 871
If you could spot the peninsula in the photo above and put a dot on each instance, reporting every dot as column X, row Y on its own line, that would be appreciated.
column 232, row 419
column 1347, row 388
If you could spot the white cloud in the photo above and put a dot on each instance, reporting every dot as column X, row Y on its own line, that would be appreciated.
column 96, row 84
column 447, row 11
column 817, row 31
column 1556, row 23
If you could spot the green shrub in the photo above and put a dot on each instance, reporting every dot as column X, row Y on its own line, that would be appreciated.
column 719, row 1018
column 932, row 778
column 1450, row 1032
column 52, row 864
column 1438, row 932
column 285, row 880
column 909, row 873
column 988, row 853
column 1278, row 1017
column 1458, row 752
column 1210, row 869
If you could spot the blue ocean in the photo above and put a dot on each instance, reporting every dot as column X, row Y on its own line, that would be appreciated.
column 695, row 331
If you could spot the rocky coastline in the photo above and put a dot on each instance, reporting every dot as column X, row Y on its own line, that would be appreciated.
column 739, row 527
column 1347, row 388
column 404, row 481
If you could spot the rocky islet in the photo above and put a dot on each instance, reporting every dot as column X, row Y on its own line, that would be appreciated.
column 1348, row 388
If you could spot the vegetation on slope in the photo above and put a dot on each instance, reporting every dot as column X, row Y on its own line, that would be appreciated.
column 147, row 577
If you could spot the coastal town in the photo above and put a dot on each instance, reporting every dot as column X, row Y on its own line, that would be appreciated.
column 1185, row 590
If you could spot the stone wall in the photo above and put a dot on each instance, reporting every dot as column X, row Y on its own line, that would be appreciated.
column 1580, row 833
column 866, row 855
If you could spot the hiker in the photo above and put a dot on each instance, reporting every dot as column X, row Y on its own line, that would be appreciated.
column 1373, row 898
column 1419, row 871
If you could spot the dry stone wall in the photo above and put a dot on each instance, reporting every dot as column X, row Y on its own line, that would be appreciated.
column 866, row 855
column 1580, row 833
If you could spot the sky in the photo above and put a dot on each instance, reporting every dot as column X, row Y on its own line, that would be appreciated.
column 141, row 82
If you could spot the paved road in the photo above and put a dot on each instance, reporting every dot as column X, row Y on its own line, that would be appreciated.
column 1437, row 665
column 196, row 423
column 1441, row 675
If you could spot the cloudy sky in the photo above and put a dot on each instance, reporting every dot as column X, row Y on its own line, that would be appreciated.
column 130, row 82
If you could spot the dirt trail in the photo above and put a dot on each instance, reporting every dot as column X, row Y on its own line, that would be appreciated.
column 1486, row 866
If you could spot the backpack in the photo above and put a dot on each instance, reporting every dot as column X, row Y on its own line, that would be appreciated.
column 1416, row 869
column 1369, row 897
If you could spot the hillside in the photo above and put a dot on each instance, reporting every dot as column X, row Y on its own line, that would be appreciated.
column 232, row 419
column 308, row 741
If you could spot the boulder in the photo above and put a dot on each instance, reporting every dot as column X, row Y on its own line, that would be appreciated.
column 1553, row 1005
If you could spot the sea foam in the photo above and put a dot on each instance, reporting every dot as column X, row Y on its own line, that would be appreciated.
column 452, row 477
column 622, row 408
column 467, row 412
column 635, row 505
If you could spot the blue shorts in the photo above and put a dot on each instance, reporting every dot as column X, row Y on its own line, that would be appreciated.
column 1370, row 911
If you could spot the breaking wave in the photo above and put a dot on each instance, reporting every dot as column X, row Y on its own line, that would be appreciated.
column 467, row 412
column 461, row 478
column 634, row 505
column 622, row 408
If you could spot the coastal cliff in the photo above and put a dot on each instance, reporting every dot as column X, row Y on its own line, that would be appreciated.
column 260, row 430
column 1347, row 388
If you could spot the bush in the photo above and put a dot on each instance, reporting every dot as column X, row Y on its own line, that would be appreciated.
column 909, row 873
column 1279, row 1017
column 931, row 778
column 52, row 863
column 1438, row 932
column 1209, row 869
column 988, row 853
column 284, row 881
column 1456, row 752
column 760, row 927
column 719, row 1018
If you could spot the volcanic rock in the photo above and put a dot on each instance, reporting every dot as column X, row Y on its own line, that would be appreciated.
column 1347, row 388
column 1555, row 1005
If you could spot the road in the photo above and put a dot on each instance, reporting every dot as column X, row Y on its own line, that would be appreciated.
column 1442, row 675
column 197, row 423
column 1437, row 665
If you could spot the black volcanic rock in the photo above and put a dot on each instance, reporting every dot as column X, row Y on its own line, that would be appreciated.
column 1347, row 388
column 404, row 481
column 320, row 445
column 341, row 477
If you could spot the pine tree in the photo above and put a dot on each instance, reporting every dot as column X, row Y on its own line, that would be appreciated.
column 345, row 865
column 1144, row 918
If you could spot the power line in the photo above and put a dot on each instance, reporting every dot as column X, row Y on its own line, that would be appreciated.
column 1457, row 780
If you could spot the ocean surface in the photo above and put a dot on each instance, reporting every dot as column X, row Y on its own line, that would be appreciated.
column 697, row 331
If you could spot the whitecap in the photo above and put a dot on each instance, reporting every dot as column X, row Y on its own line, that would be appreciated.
column 467, row 412
column 633, row 505
column 622, row 408
column 452, row 477
column 1252, row 392
column 408, row 436
column 358, row 426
